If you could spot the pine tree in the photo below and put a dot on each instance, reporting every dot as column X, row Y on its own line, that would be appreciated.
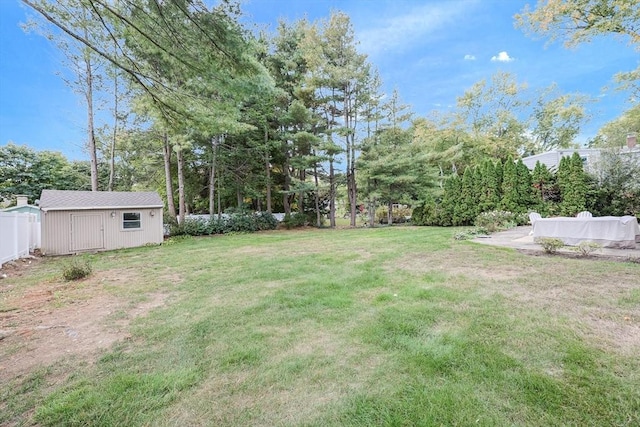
column 510, row 197
column 464, row 211
column 524, row 187
column 574, row 194
column 451, row 196
column 542, row 182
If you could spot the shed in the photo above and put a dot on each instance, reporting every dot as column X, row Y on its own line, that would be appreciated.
column 88, row 221
column 23, row 206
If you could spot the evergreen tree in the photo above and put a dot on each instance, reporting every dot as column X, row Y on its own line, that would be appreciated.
column 489, row 192
column 478, row 187
column 574, row 195
column 499, row 168
column 465, row 208
column 542, row 182
column 524, row 187
column 510, row 196
column 451, row 196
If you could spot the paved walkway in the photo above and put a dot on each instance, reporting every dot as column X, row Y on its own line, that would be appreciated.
column 519, row 238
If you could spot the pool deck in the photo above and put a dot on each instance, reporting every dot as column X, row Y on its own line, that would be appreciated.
column 520, row 238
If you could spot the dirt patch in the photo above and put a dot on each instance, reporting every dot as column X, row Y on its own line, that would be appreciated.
column 18, row 267
column 49, row 322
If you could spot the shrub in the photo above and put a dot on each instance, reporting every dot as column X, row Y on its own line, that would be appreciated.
column 586, row 248
column 550, row 244
column 471, row 233
column 241, row 222
column 265, row 221
column 497, row 220
column 399, row 214
column 76, row 269
column 295, row 220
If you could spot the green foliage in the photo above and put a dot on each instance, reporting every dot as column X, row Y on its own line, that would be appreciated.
column 425, row 213
column 76, row 269
column 236, row 222
column 26, row 171
column 586, row 248
column 524, row 187
column 452, row 193
column 467, row 205
column 573, row 185
column 550, row 244
column 399, row 214
column 510, row 195
column 545, row 192
column 295, row 220
column 496, row 220
column 489, row 189
column 615, row 189
column 471, row 233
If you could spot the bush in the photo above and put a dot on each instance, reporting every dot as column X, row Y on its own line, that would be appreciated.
column 550, row 244
column 587, row 248
column 497, row 220
column 425, row 214
column 76, row 269
column 471, row 234
column 399, row 214
column 295, row 220
column 242, row 222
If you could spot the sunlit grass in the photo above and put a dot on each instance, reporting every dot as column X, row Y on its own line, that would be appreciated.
column 390, row 326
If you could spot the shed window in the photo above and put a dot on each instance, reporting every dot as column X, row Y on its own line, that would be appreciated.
column 131, row 220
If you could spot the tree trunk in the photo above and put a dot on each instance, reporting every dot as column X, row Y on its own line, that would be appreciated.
column 332, row 196
column 112, row 151
column 90, row 128
column 166, row 153
column 181, row 196
column 287, row 181
column 219, row 194
column 267, row 166
column 317, row 195
column 301, row 193
column 372, row 213
column 390, row 213
column 212, row 176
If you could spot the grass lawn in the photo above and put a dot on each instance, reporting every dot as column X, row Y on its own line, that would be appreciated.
column 390, row 326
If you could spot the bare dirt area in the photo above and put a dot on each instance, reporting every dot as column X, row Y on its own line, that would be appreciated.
column 50, row 321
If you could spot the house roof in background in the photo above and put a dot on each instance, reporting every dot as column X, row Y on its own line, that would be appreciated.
column 52, row 200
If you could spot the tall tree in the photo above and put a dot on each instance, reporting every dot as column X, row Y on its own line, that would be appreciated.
column 556, row 119
column 491, row 112
column 83, row 65
column 579, row 21
column 341, row 72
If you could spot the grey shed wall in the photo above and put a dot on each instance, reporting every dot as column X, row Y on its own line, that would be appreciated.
column 89, row 230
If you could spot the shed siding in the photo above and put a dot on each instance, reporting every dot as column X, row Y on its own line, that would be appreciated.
column 57, row 237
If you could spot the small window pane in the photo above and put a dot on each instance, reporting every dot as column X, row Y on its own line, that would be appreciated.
column 131, row 220
column 131, row 216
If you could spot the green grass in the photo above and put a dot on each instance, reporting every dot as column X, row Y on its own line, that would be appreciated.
column 389, row 326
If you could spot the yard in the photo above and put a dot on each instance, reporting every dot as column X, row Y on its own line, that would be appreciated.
column 389, row 326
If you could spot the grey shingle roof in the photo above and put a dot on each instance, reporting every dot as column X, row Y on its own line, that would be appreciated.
column 73, row 200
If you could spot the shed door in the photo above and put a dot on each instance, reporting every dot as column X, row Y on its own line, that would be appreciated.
column 87, row 232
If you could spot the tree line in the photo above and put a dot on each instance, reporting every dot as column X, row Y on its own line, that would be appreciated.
column 181, row 98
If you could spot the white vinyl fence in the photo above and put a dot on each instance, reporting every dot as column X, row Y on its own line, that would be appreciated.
column 19, row 234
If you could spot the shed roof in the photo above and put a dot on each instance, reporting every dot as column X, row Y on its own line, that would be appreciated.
column 59, row 200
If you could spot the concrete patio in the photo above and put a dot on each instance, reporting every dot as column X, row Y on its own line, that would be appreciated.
column 520, row 238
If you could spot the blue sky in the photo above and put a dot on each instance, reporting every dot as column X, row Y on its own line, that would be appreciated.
column 430, row 51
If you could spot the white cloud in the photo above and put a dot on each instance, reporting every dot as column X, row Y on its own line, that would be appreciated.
column 469, row 57
column 502, row 57
column 402, row 32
